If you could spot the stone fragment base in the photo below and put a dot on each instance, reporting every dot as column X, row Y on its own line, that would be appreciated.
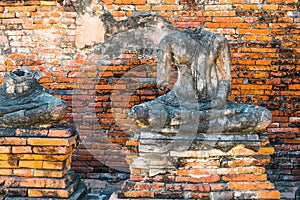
column 35, row 163
column 163, row 169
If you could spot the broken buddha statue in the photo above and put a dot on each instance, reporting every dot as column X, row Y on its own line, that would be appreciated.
column 200, row 95
column 25, row 103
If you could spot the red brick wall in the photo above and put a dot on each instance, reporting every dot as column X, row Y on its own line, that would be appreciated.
column 264, row 40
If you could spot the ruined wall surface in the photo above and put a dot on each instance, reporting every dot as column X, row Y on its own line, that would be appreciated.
column 101, row 73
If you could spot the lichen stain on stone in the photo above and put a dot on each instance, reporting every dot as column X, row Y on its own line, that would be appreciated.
column 110, row 38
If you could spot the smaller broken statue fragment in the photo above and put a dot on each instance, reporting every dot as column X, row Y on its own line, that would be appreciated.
column 25, row 103
column 198, row 100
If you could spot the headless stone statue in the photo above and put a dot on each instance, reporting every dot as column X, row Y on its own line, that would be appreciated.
column 199, row 97
column 24, row 103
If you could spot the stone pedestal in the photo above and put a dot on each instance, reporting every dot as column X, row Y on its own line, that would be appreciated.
column 35, row 163
column 198, row 166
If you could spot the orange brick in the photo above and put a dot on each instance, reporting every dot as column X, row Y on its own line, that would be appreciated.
column 17, row 21
column 139, row 194
column 200, row 195
column 48, row 193
column 203, row 171
column 256, row 87
column 185, row 172
column 226, row 19
column 51, row 141
column 219, row 13
column 5, row 149
column 249, row 37
column 41, row 157
column 21, row 149
column 216, row 7
column 5, row 156
column 136, row 178
column 132, row 142
column 23, row 172
column 229, row 24
column 167, row 7
column 187, row 179
column 6, row 172
column 211, row 25
column 30, row 164
column 264, row 38
column 265, row 185
column 143, row 7
column 59, row 133
column 53, row 165
column 202, row 163
column 266, row 150
column 252, row 31
column 170, row 1
column 48, row 3
column 270, row 7
column 209, row 179
column 142, row 186
column 282, row 1
column 265, row 26
column 245, row 177
column 294, row 87
column 12, row 141
column 21, row 9
column 135, row 171
column 219, row 186
column 158, row 186
column 237, row 151
column 49, row 173
column 7, row 15
column 32, row 2
column 267, row 194
column 8, row 164
column 292, row 141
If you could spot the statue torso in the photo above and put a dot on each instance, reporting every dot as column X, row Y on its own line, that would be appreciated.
column 190, row 56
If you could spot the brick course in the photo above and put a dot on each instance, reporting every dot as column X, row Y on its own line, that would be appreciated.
column 26, row 172
column 264, row 41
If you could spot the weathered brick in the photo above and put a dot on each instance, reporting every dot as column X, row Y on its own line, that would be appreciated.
column 8, row 164
column 58, row 193
column 21, row 9
column 21, row 149
column 51, row 141
column 158, row 186
column 247, row 185
column 53, row 165
column 23, row 172
column 139, row 194
column 245, row 177
column 6, row 172
column 30, row 164
column 7, row 15
column 5, row 149
column 49, row 173
column 12, row 141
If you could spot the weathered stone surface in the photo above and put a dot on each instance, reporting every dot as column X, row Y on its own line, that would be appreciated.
column 159, row 142
column 24, row 103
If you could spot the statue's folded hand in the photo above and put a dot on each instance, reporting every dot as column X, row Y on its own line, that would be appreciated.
column 218, row 103
column 163, row 85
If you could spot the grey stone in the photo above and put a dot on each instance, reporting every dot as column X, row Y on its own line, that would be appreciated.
column 158, row 142
column 198, row 101
column 25, row 103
